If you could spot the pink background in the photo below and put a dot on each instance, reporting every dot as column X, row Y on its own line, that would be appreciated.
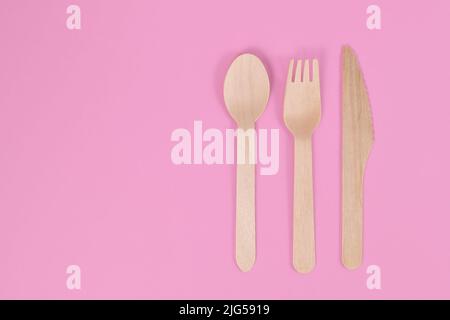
column 85, row 170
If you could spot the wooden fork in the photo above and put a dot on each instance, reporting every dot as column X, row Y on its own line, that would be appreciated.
column 302, row 114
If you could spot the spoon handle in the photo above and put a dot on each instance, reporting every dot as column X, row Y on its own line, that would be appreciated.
column 304, row 257
column 245, row 200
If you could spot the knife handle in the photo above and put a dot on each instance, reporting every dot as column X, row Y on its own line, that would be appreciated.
column 245, row 203
column 352, row 214
column 304, row 257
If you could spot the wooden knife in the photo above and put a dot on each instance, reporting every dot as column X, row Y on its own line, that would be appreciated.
column 357, row 141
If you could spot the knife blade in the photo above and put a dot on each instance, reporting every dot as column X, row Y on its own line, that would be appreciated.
column 357, row 141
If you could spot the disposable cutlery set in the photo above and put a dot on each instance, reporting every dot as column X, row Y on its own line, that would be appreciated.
column 246, row 93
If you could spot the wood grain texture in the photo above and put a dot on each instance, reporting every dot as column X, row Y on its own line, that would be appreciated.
column 245, row 207
column 302, row 112
column 304, row 252
column 357, row 141
column 246, row 92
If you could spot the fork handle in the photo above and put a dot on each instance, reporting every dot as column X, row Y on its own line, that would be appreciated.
column 245, row 205
column 304, row 256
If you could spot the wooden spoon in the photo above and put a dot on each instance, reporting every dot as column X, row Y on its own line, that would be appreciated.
column 246, row 92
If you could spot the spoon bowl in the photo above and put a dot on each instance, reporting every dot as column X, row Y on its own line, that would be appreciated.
column 246, row 90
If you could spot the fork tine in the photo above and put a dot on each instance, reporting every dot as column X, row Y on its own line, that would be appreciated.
column 290, row 70
column 306, row 71
column 316, row 73
column 298, row 72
